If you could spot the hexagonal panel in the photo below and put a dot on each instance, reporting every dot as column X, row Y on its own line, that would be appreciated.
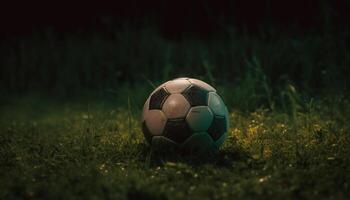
column 146, row 132
column 176, row 106
column 202, row 84
column 216, row 104
column 177, row 130
column 155, row 121
column 177, row 85
column 196, row 96
column 158, row 98
column 199, row 118
column 218, row 127
column 198, row 143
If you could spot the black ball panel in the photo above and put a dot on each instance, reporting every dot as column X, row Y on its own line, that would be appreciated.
column 158, row 98
column 163, row 145
column 177, row 130
column 218, row 127
column 196, row 96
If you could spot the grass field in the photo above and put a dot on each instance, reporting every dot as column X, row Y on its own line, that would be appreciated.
column 287, row 93
column 94, row 149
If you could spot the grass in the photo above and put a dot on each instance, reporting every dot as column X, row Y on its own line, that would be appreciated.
column 288, row 137
column 94, row 149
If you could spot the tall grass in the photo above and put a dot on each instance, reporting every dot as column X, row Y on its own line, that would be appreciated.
column 51, row 62
column 251, row 71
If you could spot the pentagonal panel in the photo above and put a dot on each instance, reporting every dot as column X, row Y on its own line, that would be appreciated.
column 216, row 104
column 146, row 132
column 199, row 118
column 155, row 121
column 158, row 98
column 177, row 130
column 202, row 84
column 198, row 143
column 163, row 144
column 175, row 106
column 159, row 87
column 218, row 127
column 177, row 85
column 196, row 96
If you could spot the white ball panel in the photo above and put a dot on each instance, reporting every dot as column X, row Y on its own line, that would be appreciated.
column 145, row 109
column 177, row 85
column 182, row 78
column 155, row 121
column 175, row 106
column 199, row 118
column 202, row 84
column 216, row 104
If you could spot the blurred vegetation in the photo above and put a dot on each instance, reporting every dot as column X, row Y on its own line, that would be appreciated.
column 252, row 70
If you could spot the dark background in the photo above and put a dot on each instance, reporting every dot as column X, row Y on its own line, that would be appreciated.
column 58, row 47
column 173, row 18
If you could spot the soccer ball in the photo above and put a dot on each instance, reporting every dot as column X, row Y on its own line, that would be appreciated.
column 185, row 114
